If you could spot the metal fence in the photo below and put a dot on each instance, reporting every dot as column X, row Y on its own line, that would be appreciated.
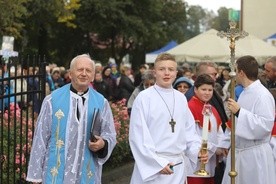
column 22, row 89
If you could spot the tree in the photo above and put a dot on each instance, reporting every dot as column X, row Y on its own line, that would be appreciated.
column 114, row 28
column 221, row 22
column 41, row 31
column 11, row 14
column 61, row 29
column 122, row 26
column 207, row 21
column 195, row 17
column 67, row 15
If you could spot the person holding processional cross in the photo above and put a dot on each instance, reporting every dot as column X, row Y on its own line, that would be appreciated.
column 254, row 116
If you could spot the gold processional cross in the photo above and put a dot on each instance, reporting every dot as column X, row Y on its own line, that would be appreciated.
column 233, row 34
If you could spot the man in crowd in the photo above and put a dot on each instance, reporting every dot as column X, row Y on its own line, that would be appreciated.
column 268, row 78
column 148, row 79
column 270, row 84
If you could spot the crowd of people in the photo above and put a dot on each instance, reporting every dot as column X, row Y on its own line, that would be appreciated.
column 165, row 103
column 17, row 79
column 153, row 141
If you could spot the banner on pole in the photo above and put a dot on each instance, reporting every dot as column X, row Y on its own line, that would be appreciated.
column 234, row 15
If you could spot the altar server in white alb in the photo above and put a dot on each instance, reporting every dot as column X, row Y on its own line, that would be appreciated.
column 62, row 150
column 162, row 130
column 255, row 113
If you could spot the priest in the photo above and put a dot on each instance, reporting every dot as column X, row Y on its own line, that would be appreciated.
column 62, row 150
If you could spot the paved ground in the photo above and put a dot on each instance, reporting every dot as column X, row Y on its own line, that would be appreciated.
column 119, row 176
column 122, row 180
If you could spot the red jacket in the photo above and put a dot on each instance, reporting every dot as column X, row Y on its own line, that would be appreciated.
column 196, row 107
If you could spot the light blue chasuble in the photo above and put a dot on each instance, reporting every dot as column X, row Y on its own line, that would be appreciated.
column 55, row 173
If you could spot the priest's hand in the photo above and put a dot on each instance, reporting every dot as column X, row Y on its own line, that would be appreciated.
column 97, row 145
column 167, row 170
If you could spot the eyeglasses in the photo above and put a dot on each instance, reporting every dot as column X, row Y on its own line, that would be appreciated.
column 182, row 86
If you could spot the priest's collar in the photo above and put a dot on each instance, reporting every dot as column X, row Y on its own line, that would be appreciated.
column 79, row 93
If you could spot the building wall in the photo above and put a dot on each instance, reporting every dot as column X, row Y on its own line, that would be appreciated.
column 259, row 17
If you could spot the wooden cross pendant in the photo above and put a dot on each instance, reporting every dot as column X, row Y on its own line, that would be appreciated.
column 172, row 123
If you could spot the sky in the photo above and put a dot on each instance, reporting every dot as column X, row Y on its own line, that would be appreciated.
column 215, row 4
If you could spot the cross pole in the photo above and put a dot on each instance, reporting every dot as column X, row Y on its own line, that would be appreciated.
column 233, row 34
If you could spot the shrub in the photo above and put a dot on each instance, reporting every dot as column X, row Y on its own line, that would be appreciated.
column 121, row 152
column 16, row 133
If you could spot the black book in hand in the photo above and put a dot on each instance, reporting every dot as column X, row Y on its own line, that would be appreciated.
column 96, row 125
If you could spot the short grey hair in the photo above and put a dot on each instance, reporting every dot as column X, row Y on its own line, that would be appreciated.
column 273, row 61
column 74, row 60
column 201, row 67
column 148, row 75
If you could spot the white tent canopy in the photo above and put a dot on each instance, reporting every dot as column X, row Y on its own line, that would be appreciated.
column 210, row 46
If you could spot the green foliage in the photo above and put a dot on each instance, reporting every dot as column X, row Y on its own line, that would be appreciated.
column 67, row 16
column 62, row 29
column 221, row 22
column 44, row 27
column 122, row 26
column 195, row 15
column 11, row 16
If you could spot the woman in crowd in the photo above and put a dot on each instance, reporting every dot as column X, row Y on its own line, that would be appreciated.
column 182, row 84
column 125, row 83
